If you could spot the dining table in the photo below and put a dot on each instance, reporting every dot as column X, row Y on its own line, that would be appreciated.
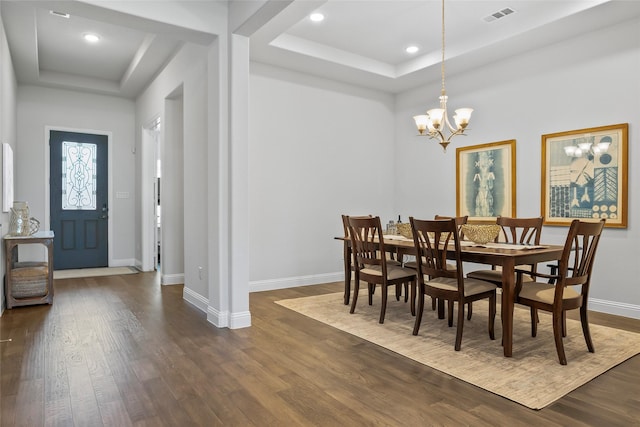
column 505, row 255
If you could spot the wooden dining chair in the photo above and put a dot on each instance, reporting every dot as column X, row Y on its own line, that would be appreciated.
column 348, row 261
column 442, row 283
column 574, row 271
column 460, row 220
column 372, row 266
column 348, row 258
column 513, row 230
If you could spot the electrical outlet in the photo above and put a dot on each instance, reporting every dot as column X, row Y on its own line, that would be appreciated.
column 200, row 272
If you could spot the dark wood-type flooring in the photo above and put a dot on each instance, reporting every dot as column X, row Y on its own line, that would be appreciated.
column 122, row 350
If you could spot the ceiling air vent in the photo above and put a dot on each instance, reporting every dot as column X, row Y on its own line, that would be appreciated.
column 499, row 14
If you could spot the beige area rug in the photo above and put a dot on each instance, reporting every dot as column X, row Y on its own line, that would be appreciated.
column 93, row 272
column 532, row 377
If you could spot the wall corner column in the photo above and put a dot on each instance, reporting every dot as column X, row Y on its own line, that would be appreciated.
column 228, row 182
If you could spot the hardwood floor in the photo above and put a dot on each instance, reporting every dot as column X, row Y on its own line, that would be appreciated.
column 122, row 350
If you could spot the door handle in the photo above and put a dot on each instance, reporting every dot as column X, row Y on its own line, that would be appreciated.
column 105, row 209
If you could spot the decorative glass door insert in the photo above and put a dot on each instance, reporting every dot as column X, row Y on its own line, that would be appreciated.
column 79, row 176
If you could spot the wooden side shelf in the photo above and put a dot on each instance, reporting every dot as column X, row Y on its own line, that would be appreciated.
column 28, row 282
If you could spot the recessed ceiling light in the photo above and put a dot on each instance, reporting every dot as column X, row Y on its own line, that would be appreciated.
column 91, row 38
column 412, row 49
column 316, row 17
column 59, row 14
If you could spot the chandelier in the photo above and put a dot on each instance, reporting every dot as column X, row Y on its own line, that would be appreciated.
column 585, row 146
column 435, row 124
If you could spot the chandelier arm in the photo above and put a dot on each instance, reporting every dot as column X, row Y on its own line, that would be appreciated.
column 440, row 135
column 454, row 131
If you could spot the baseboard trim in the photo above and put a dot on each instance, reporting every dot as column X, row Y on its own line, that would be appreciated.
column 240, row 320
column 219, row 319
column 172, row 279
column 122, row 262
column 616, row 308
column 292, row 282
column 195, row 299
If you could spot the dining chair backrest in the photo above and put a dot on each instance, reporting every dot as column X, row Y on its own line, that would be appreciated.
column 345, row 226
column 576, row 264
column 367, row 243
column 520, row 230
column 460, row 221
column 432, row 240
column 345, row 223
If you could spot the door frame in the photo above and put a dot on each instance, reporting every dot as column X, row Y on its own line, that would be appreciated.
column 47, row 174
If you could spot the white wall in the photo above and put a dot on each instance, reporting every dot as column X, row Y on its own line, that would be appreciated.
column 188, row 72
column 580, row 83
column 41, row 107
column 8, row 131
column 317, row 149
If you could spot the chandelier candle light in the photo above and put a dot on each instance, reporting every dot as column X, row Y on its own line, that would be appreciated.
column 435, row 124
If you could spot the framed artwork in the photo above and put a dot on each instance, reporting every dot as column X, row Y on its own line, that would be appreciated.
column 486, row 181
column 7, row 177
column 584, row 175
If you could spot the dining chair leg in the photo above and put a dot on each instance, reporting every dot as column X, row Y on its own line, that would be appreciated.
column 534, row 322
column 347, row 290
column 398, row 291
column 469, row 310
column 492, row 316
column 564, row 323
column 372, row 290
column 585, row 328
column 347, row 273
column 347, row 285
column 383, row 307
column 356, row 289
column 450, row 312
column 433, row 303
column 459, row 326
column 419, row 310
column 557, row 334
column 413, row 298
column 440, row 308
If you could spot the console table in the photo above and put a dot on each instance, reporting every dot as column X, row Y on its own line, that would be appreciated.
column 28, row 282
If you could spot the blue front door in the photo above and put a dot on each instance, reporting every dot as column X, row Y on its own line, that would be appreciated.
column 78, row 199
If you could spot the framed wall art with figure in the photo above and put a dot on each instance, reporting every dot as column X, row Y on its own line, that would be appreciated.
column 486, row 181
column 584, row 175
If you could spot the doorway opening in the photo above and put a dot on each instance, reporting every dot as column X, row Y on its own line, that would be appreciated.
column 157, row 198
column 153, row 132
column 162, row 198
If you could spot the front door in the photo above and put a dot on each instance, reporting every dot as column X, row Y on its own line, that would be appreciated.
column 78, row 199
